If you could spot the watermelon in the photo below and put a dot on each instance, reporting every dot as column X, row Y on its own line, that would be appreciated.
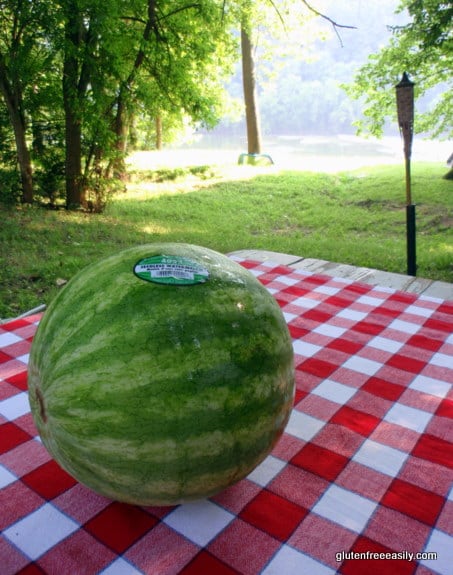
column 161, row 374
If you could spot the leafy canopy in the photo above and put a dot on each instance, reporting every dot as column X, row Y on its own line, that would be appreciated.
column 424, row 49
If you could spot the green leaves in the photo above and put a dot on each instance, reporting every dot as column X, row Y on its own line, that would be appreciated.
column 424, row 49
column 97, row 68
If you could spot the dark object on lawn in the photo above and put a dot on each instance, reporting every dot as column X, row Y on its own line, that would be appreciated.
column 255, row 159
column 449, row 174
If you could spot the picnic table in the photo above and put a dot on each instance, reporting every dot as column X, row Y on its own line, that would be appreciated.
column 360, row 482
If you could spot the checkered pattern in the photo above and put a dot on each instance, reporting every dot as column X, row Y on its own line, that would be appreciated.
column 365, row 464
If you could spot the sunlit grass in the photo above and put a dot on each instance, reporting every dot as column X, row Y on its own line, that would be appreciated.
column 356, row 218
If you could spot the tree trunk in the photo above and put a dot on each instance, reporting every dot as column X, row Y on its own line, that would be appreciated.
column 121, row 125
column 72, row 88
column 121, row 129
column 13, row 104
column 158, row 132
column 26, row 171
column 73, row 162
column 250, row 95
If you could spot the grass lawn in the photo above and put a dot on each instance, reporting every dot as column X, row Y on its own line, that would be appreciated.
column 355, row 217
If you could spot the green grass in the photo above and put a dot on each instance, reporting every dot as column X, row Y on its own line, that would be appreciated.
column 356, row 218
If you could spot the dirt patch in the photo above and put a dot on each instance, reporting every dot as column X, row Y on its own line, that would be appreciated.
column 438, row 222
column 370, row 204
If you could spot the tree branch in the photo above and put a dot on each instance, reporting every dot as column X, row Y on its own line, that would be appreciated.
column 335, row 25
column 133, row 19
column 181, row 9
column 275, row 7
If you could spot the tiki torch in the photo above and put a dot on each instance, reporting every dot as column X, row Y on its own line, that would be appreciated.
column 405, row 108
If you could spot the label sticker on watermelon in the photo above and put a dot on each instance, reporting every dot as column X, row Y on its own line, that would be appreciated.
column 171, row 270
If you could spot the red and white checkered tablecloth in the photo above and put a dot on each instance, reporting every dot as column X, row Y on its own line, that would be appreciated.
column 364, row 467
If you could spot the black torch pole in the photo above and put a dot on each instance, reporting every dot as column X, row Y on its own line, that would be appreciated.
column 410, row 225
column 410, row 228
column 405, row 107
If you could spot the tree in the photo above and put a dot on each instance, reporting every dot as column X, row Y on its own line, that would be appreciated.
column 126, row 56
column 107, row 63
column 254, row 143
column 251, row 17
column 20, row 61
column 424, row 49
column 78, row 35
column 183, row 54
column 277, row 20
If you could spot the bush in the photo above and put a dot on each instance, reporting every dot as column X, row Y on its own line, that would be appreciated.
column 10, row 186
column 50, row 179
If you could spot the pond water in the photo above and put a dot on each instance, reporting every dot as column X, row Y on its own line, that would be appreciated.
column 312, row 153
column 338, row 153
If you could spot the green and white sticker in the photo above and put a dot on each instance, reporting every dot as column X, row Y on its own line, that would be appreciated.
column 171, row 270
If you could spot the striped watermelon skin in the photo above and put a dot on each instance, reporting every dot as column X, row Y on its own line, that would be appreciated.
column 160, row 394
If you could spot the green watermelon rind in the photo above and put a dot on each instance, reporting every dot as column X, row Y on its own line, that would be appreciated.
column 160, row 403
